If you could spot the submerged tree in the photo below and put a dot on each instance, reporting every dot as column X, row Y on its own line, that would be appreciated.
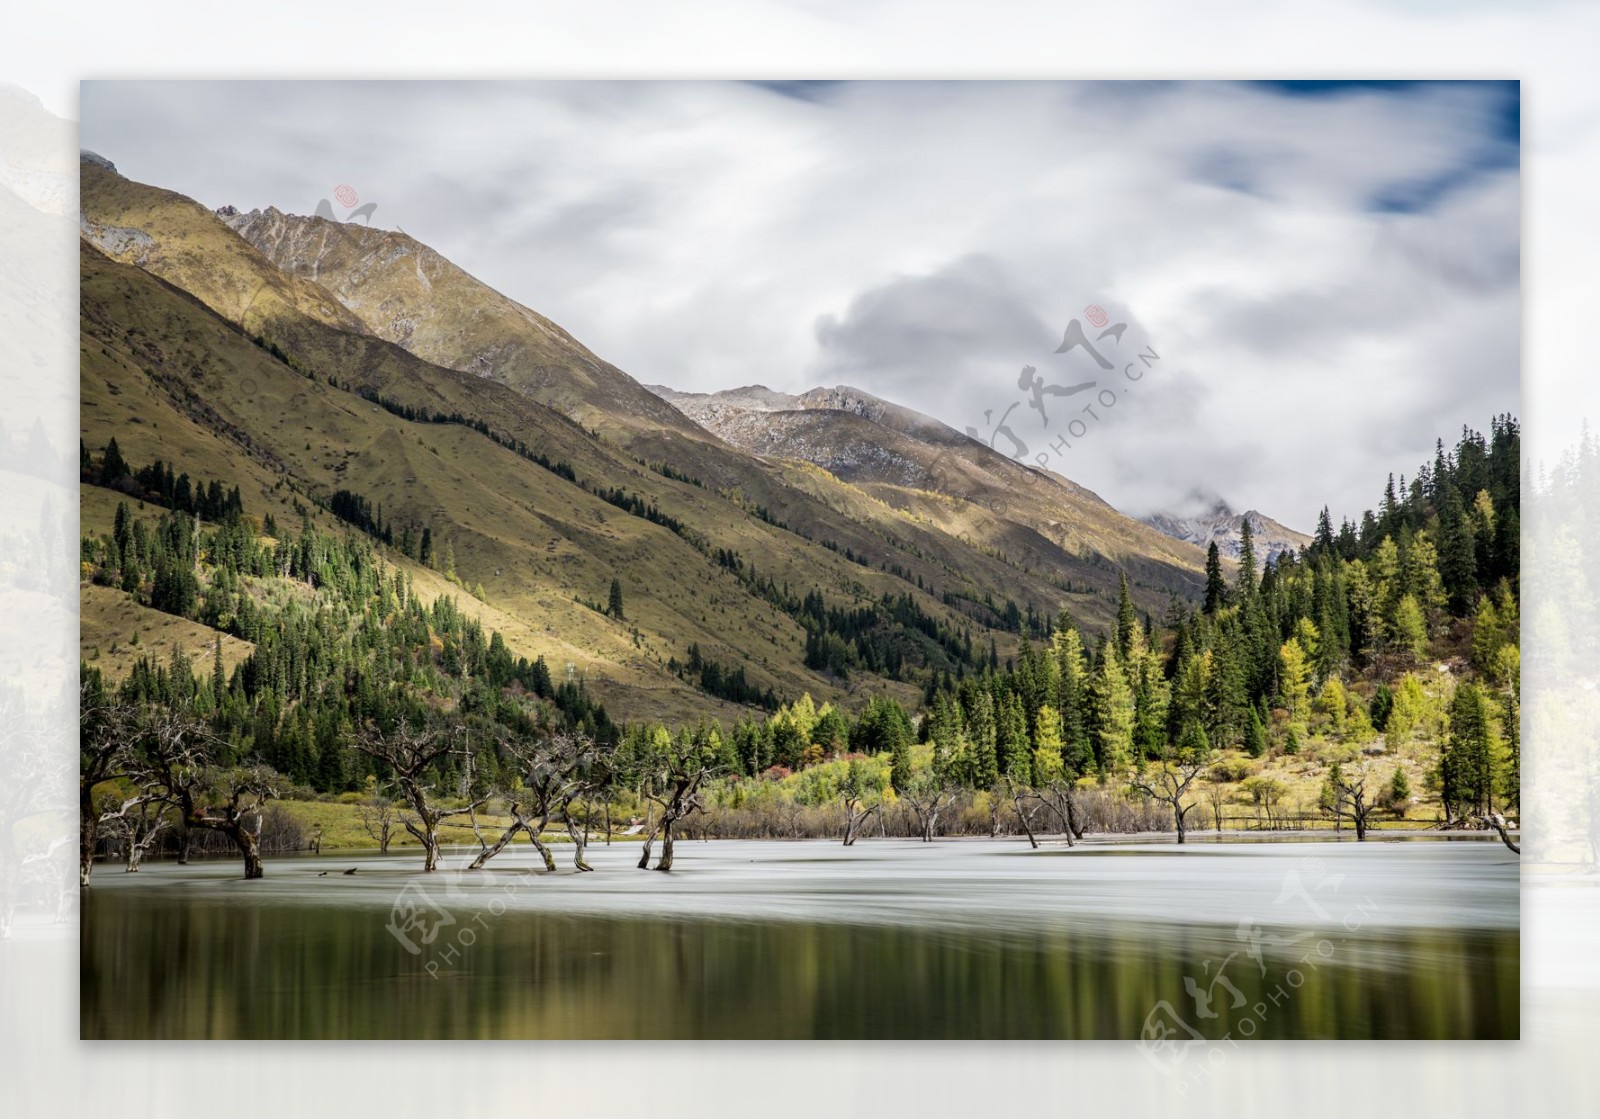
column 1345, row 795
column 139, row 820
column 861, row 791
column 669, row 772
column 1168, row 780
column 379, row 817
column 411, row 752
column 105, row 734
column 179, row 757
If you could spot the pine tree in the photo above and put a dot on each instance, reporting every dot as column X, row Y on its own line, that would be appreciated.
column 1399, row 790
column 1127, row 619
column 1048, row 764
column 1113, row 714
column 1382, row 704
column 1073, row 699
column 1216, row 585
column 1016, row 756
column 1255, row 736
column 1458, row 562
column 614, row 606
column 113, row 468
column 1294, row 681
column 1465, row 776
column 1323, row 542
column 1410, row 627
column 984, row 763
column 1247, row 562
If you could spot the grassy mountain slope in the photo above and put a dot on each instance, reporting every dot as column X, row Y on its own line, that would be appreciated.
column 409, row 294
column 198, row 350
column 915, row 463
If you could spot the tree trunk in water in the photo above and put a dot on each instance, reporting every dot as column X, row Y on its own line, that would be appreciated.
column 87, row 836
column 496, row 848
column 649, row 843
column 1177, row 817
column 1027, row 821
column 1499, row 823
column 183, row 845
column 430, row 846
column 251, row 850
column 665, row 862
column 1361, row 827
column 580, row 843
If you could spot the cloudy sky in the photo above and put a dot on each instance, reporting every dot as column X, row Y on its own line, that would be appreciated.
column 1328, row 272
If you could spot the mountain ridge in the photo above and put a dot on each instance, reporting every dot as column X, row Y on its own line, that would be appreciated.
column 293, row 395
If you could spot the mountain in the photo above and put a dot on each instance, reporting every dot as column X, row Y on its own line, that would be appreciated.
column 917, row 464
column 404, row 292
column 321, row 367
column 1211, row 519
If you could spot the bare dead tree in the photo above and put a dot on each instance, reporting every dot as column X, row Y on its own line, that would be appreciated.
column 544, row 766
column 379, row 817
column 176, row 756
column 670, row 777
column 410, row 753
column 1021, row 796
column 1217, row 798
column 862, row 792
column 106, row 729
column 1498, row 823
column 1168, row 783
column 139, row 820
column 587, row 772
column 1345, row 796
column 928, row 796
column 1059, row 797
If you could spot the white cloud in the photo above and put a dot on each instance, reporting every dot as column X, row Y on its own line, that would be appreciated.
column 923, row 241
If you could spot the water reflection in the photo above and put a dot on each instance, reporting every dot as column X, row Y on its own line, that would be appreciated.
column 953, row 941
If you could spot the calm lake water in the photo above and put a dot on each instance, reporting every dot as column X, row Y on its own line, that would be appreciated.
column 888, row 939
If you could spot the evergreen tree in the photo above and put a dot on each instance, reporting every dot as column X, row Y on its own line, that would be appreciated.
column 1113, row 709
column 1216, row 585
column 1127, row 619
column 1458, row 562
column 1465, row 776
column 1382, row 704
column 1016, row 755
column 1255, row 736
column 1073, row 699
column 1294, row 682
column 1048, row 763
column 1410, row 628
column 982, row 734
column 1247, row 562
column 614, row 604
column 113, row 468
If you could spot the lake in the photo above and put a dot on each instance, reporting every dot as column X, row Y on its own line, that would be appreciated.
column 1409, row 938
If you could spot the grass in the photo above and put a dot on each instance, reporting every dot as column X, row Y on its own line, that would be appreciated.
column 342, row 829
